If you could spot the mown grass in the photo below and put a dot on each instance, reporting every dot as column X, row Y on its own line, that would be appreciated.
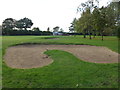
column 110, row 42
column 65, row 72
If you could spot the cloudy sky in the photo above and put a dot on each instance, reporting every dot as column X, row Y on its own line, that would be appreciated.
column 43, row 13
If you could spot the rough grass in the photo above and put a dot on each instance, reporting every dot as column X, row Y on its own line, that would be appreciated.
column 66, row 71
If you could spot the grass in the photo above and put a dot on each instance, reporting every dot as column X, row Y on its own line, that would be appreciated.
column 65, row 72
column 110, row 42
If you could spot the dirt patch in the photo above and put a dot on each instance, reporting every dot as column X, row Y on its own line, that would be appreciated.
column 31, row 56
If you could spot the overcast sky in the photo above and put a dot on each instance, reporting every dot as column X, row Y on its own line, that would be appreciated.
column 43, row 13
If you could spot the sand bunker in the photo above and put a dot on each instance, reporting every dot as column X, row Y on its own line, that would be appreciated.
column 31, row 56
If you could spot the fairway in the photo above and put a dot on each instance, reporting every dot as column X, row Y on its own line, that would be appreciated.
column 66, row 69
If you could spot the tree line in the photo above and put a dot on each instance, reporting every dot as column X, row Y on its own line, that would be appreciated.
column 11, row 26
column 95, row 20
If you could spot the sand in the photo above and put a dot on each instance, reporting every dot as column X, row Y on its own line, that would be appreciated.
column 32, row 56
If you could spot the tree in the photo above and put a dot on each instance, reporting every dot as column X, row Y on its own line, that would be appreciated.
column 24, row 23
column 111, row 18
column 86, row 20
column 104, row 20
column 56, row 29
column 91, row 4
column 72, row 27
column 48, row 29
column 8, row 25
column 36, row 29
column 85, row 23
column 61, row 30
column 116, row 8
column 19, row 24
column 80, row 24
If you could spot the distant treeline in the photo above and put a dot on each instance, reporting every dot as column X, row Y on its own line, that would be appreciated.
column 11, row 26
column 40, row 33
column 25, row 32
column 31, row 32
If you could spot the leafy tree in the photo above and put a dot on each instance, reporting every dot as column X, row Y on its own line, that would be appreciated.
column 105, row 19
column 102, row 24
column 36, row 29
column 19, row 24
column 93, row 20
column 56, row 29
column 117, row 9
column 72, row 27
column 61, row 30
column 96, row 18
column 80, row 24
column 8, row 25
column 86, row 21
column 91, row 4
column 24, row 23
column 116, row 6
column 111, row 18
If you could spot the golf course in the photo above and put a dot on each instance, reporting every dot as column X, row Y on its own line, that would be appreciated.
column 66, row 67
column 60, row 44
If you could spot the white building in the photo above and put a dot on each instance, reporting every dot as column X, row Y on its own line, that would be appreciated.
column 57, row 33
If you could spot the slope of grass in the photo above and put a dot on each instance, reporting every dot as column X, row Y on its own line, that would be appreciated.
column 67, row 72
